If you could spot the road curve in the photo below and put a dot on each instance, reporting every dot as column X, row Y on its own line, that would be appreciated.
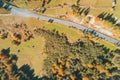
column 21, row 12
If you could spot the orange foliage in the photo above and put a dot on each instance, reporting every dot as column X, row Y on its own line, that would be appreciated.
column 74, row 13
column 60, row 72
column 2, row 56
column 100, row 68
column 97, row 66
column 15, row 38
column 97, row 19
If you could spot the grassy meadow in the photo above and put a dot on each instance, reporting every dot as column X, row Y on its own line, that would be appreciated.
column 35, row 55
column 27, row 54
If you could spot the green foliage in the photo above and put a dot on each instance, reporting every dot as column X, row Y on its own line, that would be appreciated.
column 76, row 60
column 83, row 59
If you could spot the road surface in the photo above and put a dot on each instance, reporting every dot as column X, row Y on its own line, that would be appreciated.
column 21, row 12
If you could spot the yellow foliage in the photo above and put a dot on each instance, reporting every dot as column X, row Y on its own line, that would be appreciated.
column 107, row 65
column 108, row 73
column 61, row 66
column 72, row 77
column 0, row 35
column 85, row 78
column 59, row 60
column 67, row 64
column 14, row 61
column 90, row 65
column 55, row 66
column 54, row 71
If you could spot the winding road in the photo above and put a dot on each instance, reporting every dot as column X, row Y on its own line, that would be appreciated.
column 21, row 12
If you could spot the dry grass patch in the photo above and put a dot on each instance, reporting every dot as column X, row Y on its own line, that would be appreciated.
column 3, row 11
column 54, row 3
column 56, row 12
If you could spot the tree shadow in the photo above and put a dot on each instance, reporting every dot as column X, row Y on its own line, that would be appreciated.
column 49, row 1
column 45, row 78
column 14, row 57
column 108, row 17
column 26, row 70
column 86, row 12
column 78, row 1
column 102, row 15
column 6, row 51
column 81, row 11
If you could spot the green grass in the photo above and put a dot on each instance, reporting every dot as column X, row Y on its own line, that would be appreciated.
column 107, row 44
column 27, row 55
column 73, row 34
column 34, row 56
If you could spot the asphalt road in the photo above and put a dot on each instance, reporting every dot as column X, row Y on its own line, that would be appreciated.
column 21, row 12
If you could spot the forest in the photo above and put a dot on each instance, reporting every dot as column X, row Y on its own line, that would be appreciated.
column 82, row 60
